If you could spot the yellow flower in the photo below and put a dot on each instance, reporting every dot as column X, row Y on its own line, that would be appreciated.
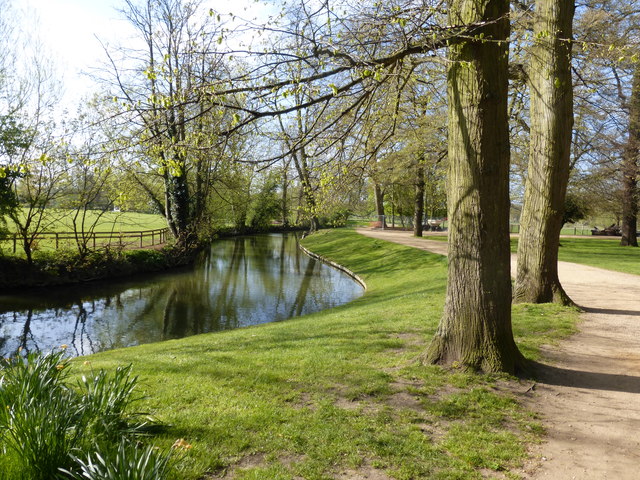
column 181, row 444
column 86, row 362
column 60, row 366
column 64, row 346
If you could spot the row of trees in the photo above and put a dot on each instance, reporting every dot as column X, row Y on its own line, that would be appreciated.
column 343, row 102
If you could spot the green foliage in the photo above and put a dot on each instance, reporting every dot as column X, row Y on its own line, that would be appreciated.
column 46, row 424
column 575, row 209
column 338, row 218
column 8, row 201
column 36, row 423
column 52, row 267
column 266, row 205
column 14, row 136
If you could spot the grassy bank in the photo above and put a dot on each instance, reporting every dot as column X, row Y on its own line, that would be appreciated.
column 339, row 394
column 64, row 267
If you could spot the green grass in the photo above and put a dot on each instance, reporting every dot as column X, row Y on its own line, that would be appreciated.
column 340, row 390
column 61, row 221
column 602, row 253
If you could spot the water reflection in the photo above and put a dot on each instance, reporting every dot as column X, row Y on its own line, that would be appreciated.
column 241, row 281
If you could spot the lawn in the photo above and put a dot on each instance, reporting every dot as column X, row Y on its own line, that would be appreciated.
column 61, row 221
column 340, row 393
column 600, row 252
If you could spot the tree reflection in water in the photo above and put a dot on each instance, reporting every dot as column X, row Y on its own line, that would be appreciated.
column 239, row 282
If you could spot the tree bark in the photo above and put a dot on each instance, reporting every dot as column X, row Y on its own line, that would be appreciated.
column 301, row 164
column 418, row 209
column 285, row 196
column 630, row 168
column 379, row 195
column 475, row 330
column 551, row 91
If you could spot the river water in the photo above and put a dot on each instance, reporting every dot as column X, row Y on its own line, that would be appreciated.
column 239, row 282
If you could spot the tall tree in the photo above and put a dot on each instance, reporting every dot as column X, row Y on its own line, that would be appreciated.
column 630, row 167
column 418, row 210
column 166, row 121
column 551, row 122
column 475, row 330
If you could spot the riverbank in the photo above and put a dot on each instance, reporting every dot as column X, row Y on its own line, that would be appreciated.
column 66, row 267
column 339, row 394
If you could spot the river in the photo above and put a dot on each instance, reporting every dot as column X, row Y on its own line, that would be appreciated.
column 238, row 282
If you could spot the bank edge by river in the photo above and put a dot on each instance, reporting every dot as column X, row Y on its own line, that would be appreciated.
column 66, row 267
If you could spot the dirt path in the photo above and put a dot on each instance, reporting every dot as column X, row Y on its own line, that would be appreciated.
column 588, row 393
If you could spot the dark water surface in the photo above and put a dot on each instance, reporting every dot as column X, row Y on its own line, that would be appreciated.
column 239, row 282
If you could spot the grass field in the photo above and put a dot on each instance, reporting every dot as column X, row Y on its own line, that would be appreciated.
column 58, row 220
column 340, row 393
column 61, row 221
column 601, row 252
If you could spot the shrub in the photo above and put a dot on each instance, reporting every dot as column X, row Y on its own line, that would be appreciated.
column 38, row 417
column 52, row 429
column 127, row 462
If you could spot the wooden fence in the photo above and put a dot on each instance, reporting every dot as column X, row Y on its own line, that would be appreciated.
column 135, row 239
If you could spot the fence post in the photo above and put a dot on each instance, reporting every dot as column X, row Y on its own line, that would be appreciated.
column 140, row 239
column 15, row 242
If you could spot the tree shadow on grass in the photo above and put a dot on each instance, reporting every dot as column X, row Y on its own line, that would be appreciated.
column 551, row 375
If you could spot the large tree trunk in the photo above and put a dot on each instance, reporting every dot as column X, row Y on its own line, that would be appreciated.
column 630, row 168
column 549, row 154
column 301, row 164
column 418, row 207
column 178, row 206
column 379, row 195
column 475, row 330
column 285, row 196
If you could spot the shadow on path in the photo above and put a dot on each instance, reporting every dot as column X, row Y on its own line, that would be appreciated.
column 611, row 311
column 550, row 375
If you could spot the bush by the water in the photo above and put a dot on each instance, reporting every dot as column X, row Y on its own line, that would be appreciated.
column 53, row 430
column 58, row 267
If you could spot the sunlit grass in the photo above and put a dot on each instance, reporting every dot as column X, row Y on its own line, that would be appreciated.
column 601, row 252
column 339, row 390
column 61, row 221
